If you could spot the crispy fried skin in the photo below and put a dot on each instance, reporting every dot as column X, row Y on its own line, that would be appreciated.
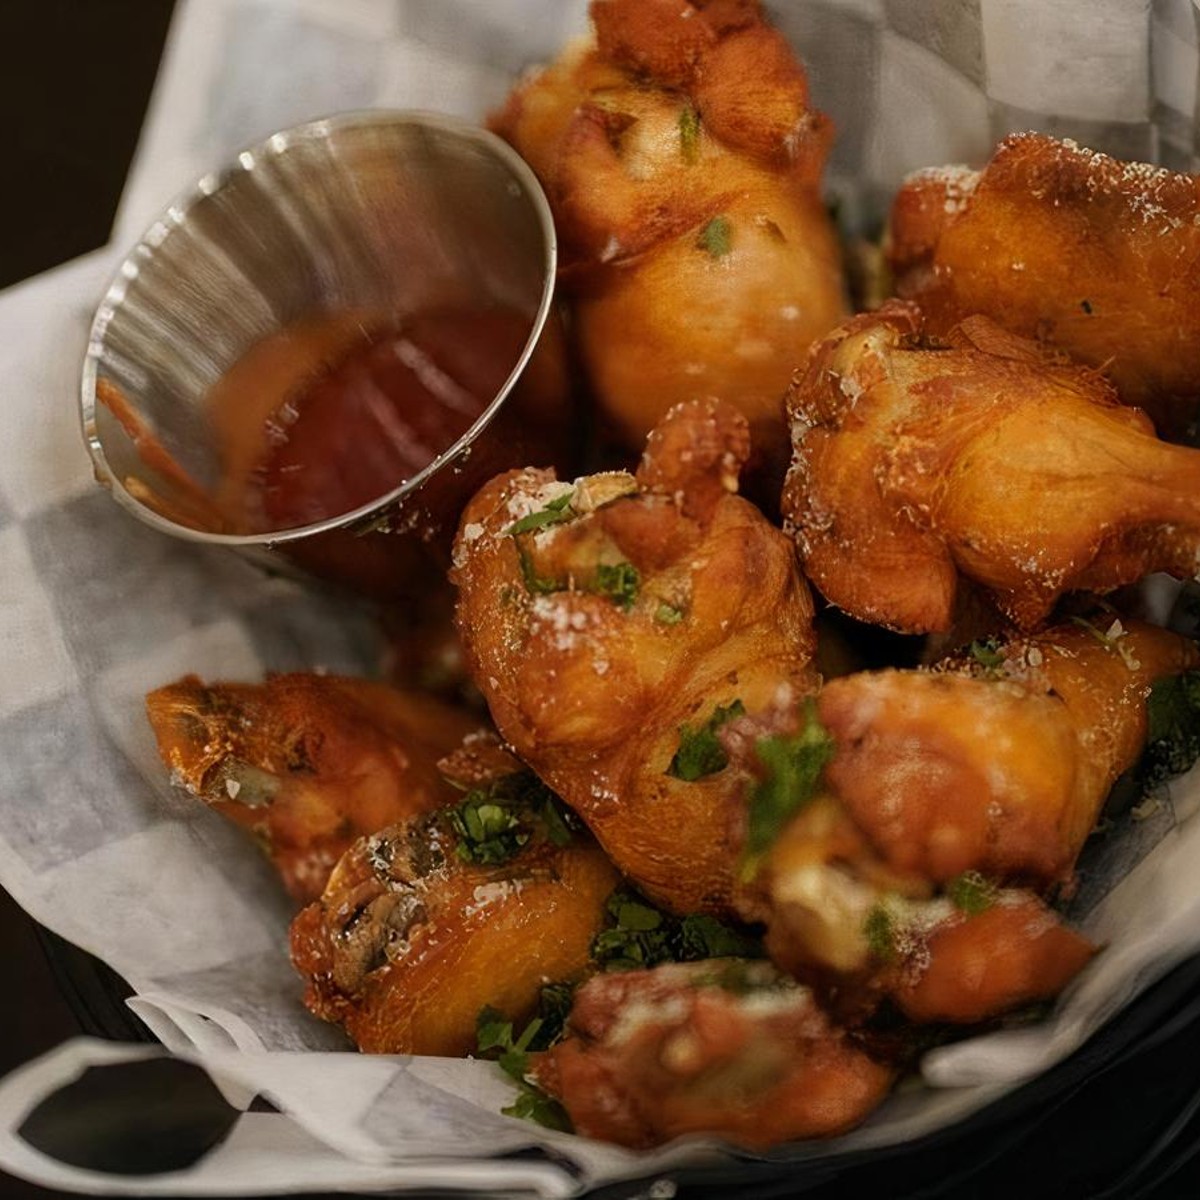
column 592, row 690
column 409, row 943
column 307, row 763
column 972, row 968
column 920, row 462
column 723, row 1047
column 1000, row 770
column 844, row 920
column 1097, row 257
column 979, row 779
column 677, row 115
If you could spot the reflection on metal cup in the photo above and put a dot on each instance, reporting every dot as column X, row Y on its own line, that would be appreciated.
column 342, row 223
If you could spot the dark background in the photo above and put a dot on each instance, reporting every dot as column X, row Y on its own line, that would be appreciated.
column 75, row 77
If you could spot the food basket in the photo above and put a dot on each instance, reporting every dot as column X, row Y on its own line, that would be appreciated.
column 94, row 844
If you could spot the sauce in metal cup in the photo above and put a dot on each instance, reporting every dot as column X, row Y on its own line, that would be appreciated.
column 322, row 350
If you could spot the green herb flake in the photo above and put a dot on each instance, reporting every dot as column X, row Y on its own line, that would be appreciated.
column 555, row 513
column 493, row 824
column 619, row 582
column 702, row 936
column 532, row 1104
column 535, row 584
column 668, row 614
column 554, row 1007
column 880, row 932
column 971, row 893
column 689, row 135
column 700, row 753
column 794, row 764
column 1173, row 738
column 640, row 935
column 1086, row 305
column 492, row 1033
column 716, row 237
column 987, row 653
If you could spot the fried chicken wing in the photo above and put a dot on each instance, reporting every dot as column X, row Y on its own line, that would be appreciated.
column 682, row 160
column 842, row 918
column 1004, row 768
column 922, row 462
column 610, row 621
column 1097, row 257
column 425, row 923
column 910, row 813
column 724, row 1047
column 306, row 763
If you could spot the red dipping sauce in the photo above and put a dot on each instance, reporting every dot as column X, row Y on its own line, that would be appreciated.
column 331, row 414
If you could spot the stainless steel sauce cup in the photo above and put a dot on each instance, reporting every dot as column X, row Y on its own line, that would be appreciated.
column 403, row 211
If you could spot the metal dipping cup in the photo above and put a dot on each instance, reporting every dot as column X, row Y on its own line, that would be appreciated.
column 376, row 210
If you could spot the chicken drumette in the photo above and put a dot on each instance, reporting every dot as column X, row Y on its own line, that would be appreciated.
column 306, row 763
column 614, row 623
column 920, row 462
column 899, row 825
column 683, row 160
column 1097, row 257
column 477, row 904
column 726, row 1047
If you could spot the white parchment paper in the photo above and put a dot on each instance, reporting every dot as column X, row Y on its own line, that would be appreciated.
column 96, row 609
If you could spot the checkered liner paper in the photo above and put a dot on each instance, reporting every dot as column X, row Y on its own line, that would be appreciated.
column 95, row 609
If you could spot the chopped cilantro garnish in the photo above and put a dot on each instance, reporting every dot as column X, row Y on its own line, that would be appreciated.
column 554, row 1006
column 668, row 614
column 702, row 936
column 618, row 581
column 794, row 763
column 556, row 512
column 879, row 930
column 716, row 237
column 970, row 893
column 987, row 653
column 689, row 134
column 700, row 753
column 1173, row 739
column 488, row 833
column 641, row 935
column 492, row 1033
column 494, row 823
column 535, row 583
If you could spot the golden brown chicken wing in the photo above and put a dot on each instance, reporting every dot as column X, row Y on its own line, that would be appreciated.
column 683, row 160
column 889, row 817
column 921, row 461
column 613, row 624
column 307, row 763
column 724, row 1047
column 431, row 920
column 840, row 917
column 1097, row 257
column 1000, row 768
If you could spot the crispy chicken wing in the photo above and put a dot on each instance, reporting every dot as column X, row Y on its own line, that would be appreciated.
column 612, row 620
column 425, row 923
column 1004, row 768
column 725, row 1047
column 840, row 917
column 307, row 763
column 1097, row 257
column 920, row 462
column 910, row 812
column 683, row 160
